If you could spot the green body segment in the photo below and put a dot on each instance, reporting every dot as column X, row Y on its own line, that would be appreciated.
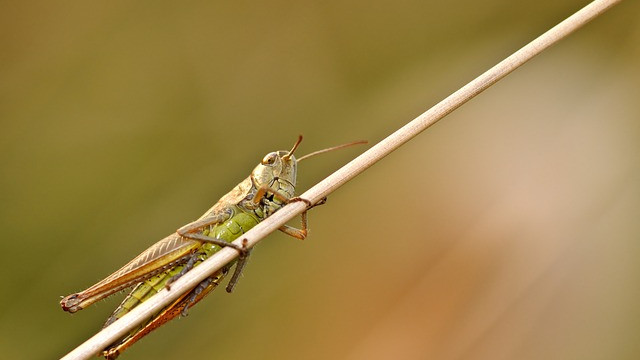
column 241, row 221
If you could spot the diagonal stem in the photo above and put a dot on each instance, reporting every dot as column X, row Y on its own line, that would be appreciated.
column 191, row 279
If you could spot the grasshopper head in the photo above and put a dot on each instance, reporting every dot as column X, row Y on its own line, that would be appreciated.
column 278, row 170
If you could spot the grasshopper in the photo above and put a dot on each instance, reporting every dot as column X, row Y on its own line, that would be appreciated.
column 270, row 186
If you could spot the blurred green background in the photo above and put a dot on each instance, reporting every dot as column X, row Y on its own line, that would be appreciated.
column 507, row 231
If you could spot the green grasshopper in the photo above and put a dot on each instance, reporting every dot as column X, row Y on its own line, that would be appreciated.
column 270, row 186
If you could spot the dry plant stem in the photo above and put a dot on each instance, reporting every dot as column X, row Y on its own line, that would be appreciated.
column 191, row 279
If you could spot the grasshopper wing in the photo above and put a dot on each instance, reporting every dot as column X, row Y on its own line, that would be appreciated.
column 164, row 254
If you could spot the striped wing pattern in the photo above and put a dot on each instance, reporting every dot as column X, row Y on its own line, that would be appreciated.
column 160, row 256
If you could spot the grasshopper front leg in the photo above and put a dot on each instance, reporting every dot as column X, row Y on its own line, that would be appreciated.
column 301, row 233
column 289, row 230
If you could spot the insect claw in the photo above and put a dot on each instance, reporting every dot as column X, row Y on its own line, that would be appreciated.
column 307, row 202
column 298, row 199
column 320, row 202
column 241, row 249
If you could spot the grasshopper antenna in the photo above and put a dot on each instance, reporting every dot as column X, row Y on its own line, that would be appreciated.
column 295, row 146
column 328, row 149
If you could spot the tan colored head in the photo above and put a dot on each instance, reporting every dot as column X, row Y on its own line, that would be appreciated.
column 278, row 169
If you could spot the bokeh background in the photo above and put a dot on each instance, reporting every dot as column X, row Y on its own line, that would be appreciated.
column 510, row 230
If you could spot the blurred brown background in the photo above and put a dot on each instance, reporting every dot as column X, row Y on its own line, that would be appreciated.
column 507, row 231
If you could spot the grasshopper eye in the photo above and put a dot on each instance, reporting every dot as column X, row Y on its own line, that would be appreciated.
column 269, row 159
